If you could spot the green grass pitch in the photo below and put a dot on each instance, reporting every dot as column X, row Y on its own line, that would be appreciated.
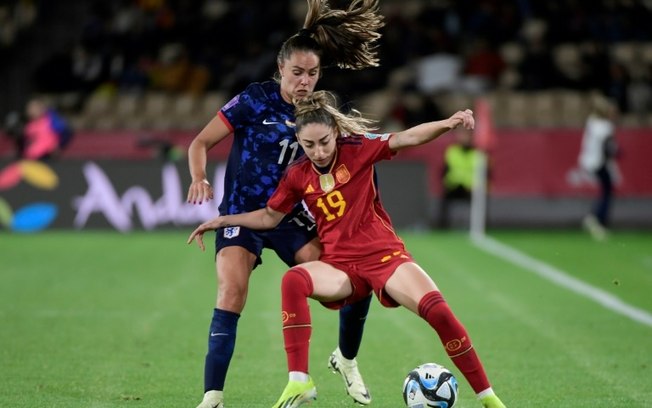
column 101, row 319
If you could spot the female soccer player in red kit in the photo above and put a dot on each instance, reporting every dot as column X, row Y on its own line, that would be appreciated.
column 263, row 146
column 362, row 253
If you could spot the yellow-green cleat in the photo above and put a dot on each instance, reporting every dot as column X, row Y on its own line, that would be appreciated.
column 297, row 393
column 492, row 401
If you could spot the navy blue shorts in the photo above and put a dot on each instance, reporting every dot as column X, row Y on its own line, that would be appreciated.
column 293, row 232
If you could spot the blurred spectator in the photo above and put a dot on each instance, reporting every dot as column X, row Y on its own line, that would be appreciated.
column 88, row 68
column 618, row 85
column 460, row 163
column 46, row 132
column 537, row 69
column 175, row 72
column 597, row 158
column 595, row 65
column 257, row 63
column 438, row 72
column 116, row 44
column 14, row 20
column 410, row 109
column 482, row 67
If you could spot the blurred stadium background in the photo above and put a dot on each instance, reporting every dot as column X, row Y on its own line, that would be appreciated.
column 138, row 78
column 103, row 318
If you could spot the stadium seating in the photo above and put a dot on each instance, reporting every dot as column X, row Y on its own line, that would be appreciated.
column 157, row 108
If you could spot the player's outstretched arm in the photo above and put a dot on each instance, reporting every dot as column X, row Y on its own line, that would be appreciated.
column 200, row 189
column 429, row 131
column 262, row 219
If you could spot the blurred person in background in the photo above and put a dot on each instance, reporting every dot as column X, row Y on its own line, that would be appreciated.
column 597, row 158
column 175, row 72
column 261, row 120
column 46, row 132
column 362, row 252
column 483, row 66
column 458, row 174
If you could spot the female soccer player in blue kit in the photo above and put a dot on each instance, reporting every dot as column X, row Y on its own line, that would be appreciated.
column 264, row 144
column 362, row 253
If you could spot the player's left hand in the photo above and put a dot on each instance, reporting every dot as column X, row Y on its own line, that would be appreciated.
column 464, row 118
column 200, row 191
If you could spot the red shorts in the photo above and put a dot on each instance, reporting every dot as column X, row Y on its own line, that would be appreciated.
column 367, row 275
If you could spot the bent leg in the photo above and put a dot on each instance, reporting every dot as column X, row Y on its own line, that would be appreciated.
column 296, row 287
column 352, row 317
column 319, row 281
column 316, row 280
column 434, row 309
column 413, row 288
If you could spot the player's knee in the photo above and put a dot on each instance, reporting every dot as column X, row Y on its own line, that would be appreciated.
column 231, row 296
column 296, row 281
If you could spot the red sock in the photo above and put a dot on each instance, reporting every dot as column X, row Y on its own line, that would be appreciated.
column 434, row 309
column 296, row 286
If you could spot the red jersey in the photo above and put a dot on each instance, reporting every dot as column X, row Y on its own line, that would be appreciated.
column 351, row 222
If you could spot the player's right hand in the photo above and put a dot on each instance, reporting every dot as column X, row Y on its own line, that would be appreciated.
column 198, row 234
column 200, row 191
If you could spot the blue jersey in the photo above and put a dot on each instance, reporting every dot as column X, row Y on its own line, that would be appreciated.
column 264, row 143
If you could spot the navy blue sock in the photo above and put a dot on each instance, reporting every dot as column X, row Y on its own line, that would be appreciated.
column 221, row 342
column 352, row 320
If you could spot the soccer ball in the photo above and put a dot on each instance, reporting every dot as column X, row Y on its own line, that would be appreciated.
column 430, row 385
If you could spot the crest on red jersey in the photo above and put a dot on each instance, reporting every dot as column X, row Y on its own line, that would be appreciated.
column 342, row 174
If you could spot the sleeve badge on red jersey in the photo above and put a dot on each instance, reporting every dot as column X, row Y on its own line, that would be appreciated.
column 382, row 136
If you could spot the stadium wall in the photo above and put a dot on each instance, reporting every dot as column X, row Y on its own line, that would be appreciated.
column 137, row 194
column 119, row 180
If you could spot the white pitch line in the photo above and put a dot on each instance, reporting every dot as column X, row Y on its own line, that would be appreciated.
column 561, row 278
